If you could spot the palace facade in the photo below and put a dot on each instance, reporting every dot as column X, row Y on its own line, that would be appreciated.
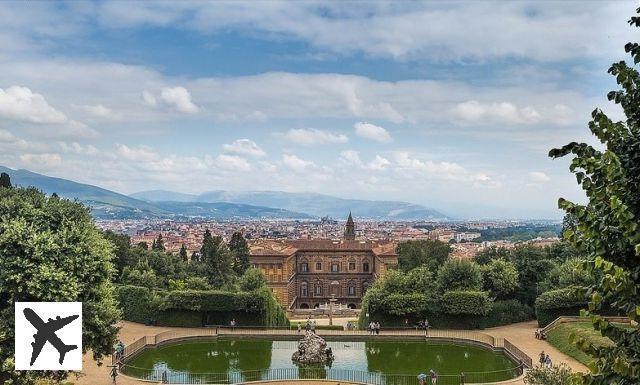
column 306, row 273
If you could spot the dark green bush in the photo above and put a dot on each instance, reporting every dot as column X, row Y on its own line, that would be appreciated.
column 191, row 308
column 507, row 312
column 466, row 302
column 562, row 302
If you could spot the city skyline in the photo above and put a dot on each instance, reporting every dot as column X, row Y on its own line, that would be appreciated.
column 380, row 101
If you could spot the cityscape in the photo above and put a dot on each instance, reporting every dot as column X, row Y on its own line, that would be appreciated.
column 282, row 192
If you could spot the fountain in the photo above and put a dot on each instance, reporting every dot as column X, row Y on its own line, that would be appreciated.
column 312, row 349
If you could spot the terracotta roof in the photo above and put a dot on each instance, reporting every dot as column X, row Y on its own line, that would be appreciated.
column 288, row 247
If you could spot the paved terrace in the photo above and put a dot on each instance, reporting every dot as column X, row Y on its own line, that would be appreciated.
column 521, row 335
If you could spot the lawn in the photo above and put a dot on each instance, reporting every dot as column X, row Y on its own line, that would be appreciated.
column 559, row 338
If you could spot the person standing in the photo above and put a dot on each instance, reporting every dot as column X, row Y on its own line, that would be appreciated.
column 422, row 378
column 547, row 361
column 299, row 328
column 542, row 358
column 434, row 377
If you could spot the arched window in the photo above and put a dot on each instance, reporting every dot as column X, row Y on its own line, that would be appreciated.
column 304, row 306
column 352, row 264
column 317, row 288
column 365, row 266
column 318, row 266
column 304, row 266
column 365, row 286
column 304, row 289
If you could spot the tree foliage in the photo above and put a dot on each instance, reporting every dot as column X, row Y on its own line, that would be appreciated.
column 556, row 375
column 500, row 278
column 431, row 253
column 459, row 275
column 5, row 180
column 240, row 252
column 217, row 258
column 607, row 228
column 50, row 250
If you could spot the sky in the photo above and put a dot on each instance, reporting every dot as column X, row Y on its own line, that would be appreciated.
column 453, row 105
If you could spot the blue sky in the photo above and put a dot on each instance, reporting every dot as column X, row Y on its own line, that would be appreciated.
column 453, row 105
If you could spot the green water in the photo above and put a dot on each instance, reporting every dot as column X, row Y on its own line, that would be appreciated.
column 248, row 359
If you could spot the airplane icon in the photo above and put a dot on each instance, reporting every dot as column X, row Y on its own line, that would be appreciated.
column 47, row 332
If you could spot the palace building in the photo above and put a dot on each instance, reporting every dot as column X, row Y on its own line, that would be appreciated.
column 306, row 273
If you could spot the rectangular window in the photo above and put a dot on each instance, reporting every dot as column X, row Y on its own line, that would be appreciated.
column 365, row 267
column 318, row 265
column 304, row 267
column 335, row 268
column 352, row 290
column 352, row 265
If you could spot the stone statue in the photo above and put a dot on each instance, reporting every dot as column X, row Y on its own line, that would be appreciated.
column 312, row 349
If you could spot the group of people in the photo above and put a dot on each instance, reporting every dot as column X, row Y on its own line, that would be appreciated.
column 545, row 360
column 118, row 350
column 374, row 328
column 540, row 335
column 422, row 378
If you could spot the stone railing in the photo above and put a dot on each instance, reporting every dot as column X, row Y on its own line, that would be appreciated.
column 565, row 319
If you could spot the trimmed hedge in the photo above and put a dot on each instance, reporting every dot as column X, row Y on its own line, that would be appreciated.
column 192, row 308
column 562, row 302
column 507, row 312
column 461, row 302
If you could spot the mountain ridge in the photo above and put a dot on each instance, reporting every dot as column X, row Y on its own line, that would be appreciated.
column 107, row 204
column 311, row 203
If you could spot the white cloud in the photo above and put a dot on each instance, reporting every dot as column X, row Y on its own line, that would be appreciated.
column 176, row 98
column 442, row 170
column 373, row 132
column 311, row 136
column 244, row 147
column 99, row 110
column 352, row 157
column 294, row 163
column 538, row 177
column 46, row 161
column 404, row 30
column 232, row 163
column 137, row 154
column 77, row 148
column 476, row 112
column 21, row 104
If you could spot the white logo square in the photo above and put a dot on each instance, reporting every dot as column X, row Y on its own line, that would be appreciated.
column 48, row 335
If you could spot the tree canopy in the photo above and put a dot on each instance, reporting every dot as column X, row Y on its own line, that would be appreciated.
column 607, row 228
column 50, row 250
column 431, row 253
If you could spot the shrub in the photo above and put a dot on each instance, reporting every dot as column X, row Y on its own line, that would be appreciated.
column 466, row 302
column 197, row 307
column 500, row 277
column 507, row 312
column 459, row 275
column 556, row 375
column 555, row 303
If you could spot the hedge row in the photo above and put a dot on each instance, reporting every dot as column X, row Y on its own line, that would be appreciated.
column 562, row 302
column 191, row 308
column 454, row 309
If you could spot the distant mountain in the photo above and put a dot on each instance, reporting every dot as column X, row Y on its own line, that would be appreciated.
column 311, row 203
column 106, row 204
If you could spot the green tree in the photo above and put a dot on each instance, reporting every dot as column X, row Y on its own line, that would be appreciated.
column 500, row 278
column 252, row 280
column 488, row 254
column 158, row 244
column 143, row 245
column 431, row 253
column 183, row 253
column 240, row 252
column 140, row 275
column 217, row 258
column 608, row 226
column 122, row 249
column 533, row 266
column 50, row 250
column 458, row 274
column 569, row 273
column 5, row 180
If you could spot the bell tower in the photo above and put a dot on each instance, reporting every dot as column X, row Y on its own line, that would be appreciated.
column 350, row 229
